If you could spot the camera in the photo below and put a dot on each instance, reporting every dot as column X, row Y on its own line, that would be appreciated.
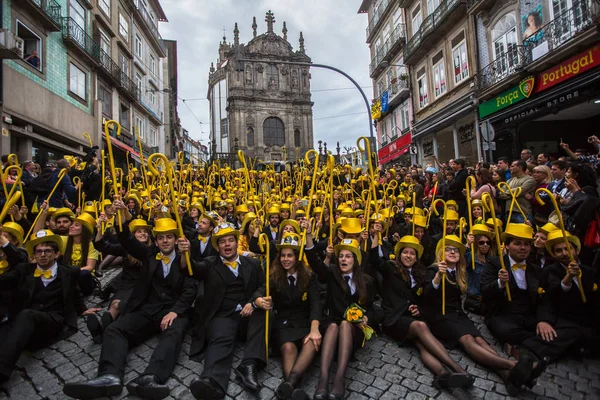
column 590, row 139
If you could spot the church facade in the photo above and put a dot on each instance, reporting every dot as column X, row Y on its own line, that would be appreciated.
column 259, row 95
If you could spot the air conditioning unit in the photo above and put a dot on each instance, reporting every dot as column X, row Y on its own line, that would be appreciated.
column 11, row 46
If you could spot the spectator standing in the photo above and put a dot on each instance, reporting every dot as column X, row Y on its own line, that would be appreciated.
column 527, row 185
column 542, row 176
column 456, row 186
column 504, row 168
column 65, row 188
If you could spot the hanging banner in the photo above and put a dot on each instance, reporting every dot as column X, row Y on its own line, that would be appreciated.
column 384, row 102
column 376, row 110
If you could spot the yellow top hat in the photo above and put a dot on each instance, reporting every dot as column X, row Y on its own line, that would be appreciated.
column 212, row 216
column 249, row 217
column 89, row 207
column 300, row 213
column 197, row 205
column 517, row 231
column 481, row 229
column 42, row 236
column 221, row 204
column 165, row 225
column 225, row 229
column 392, row 171
column 547, row 228
column 64, row 212
column 348, row 212
column 556, row 237
column 14, row 229
column 351, row 245
column 285, row 207
column 51, row 210
column 133, row 196
column 272, row 211
column 413, row 211
column 351, row 226
column 72, row 160
column 452, row 203
column 491, row 222
column 408, row 241
column 144, row 193
column 139, row 223
column 420, row 220
column 242, row 208
column 451, row 215
column 290, row 222
column 317, row 210
column 87, row 221
column 378, row 218
column 451, row 240
column 106, row 203
column 358, row 212
column 290, row 240
column 477, row 202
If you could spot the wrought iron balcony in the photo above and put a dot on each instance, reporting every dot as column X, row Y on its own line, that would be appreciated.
column 108, row 67
column 392, row 44
column 47, row 11
column 565, row 27
column 376, row 18
column 432, row 24
column 128, row 87
column 475, row 6
column 150, row 26
column 76, row 37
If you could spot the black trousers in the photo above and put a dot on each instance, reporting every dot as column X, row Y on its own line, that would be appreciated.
column 131, row 330
column 16, row 335
column 521, row 330
column 221, row 334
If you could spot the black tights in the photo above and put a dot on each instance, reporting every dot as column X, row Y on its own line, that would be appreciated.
column 433, row 353
column 294, row 364
column 340, row 338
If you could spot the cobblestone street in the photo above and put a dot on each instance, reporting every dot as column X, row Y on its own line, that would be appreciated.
column 382, row 371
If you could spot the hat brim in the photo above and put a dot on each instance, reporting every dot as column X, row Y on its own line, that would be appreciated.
column 574, row 240
column 461, row 247
column 214, row 239
column 478, row 232
column 352, row 249
column 288, row 246
column 15, row 233
column 30, row 245
column 506, row 235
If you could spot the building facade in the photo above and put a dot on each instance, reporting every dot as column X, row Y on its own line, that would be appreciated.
column 78, row 70
column 539, row 81
column 259, row 95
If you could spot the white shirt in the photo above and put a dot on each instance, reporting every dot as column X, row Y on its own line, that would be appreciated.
column 48, row 281
column 567, row 288
column 167, row 267
column 448, row 270
column 412, row 280
column 204, row 244
column 295, row 275
column 235, row 271
column 519, row 275
column 350, row 283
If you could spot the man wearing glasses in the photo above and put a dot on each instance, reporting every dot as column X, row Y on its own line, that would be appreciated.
column 46, row 293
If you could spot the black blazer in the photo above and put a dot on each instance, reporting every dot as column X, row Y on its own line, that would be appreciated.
column 267, row 231
column 213, row 273
column 457, row 185
column 495, row 300
column 569, row 305
column 20, row 277
column 209, row 251
column 430, row 302
column 338, row 297
column 298, row 308
column 184, row 286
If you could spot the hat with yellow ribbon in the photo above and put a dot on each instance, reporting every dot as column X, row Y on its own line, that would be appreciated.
column 555, row 237
column 139, row 223
column 351, row 226
column 14, row 229
column 408, row 241
column 481, row 229
column 350, row 245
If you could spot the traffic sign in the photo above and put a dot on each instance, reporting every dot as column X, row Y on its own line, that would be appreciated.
column 413, row 149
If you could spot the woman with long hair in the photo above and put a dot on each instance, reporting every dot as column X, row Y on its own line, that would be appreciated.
column 539, row 255
column 80, row 252
column 542, row 176
column 247, row 231
column 403, row 278
column 295, row 325
column 454, row 326
column 346, row 285
column 484, row 246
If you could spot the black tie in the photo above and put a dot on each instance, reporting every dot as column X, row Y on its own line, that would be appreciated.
column 292, row 280
column 452, row 275
column 347, row 279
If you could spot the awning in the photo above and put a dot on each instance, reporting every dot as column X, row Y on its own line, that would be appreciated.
column 395, row 149
column 122, row 146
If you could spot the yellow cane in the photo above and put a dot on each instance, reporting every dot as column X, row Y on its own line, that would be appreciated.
column 111, row 162
column 514, row 193
column 470, row 184
column 367, row 149
column 561, row 225
column 61, row 175
column 265, row 248
column 414, row 204
column 486, row 198
column 444, row 227
column 174, row 204
column 11, row 201
column 310, row 193
column 89, row 138
column 76, row 182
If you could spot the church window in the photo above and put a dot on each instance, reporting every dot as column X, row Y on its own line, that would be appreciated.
column 297, row 140
column 272, row 76
column 250, row 133
column 273, row 132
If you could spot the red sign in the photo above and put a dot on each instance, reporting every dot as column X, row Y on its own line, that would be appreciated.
column 395, row 149
column 570, row 68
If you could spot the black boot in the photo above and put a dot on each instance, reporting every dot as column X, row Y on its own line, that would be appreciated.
column 206, row 389
column 95, row 328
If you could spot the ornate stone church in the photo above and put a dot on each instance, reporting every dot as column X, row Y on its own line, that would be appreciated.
column 259, row 96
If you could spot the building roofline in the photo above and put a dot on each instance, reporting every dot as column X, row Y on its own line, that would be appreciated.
column 364, row 7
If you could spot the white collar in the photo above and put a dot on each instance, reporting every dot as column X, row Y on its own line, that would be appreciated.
column 236, row 260
column 350, row 275
column 53, row 268
column 513, row 262
column 171, row 256
column 295, row 275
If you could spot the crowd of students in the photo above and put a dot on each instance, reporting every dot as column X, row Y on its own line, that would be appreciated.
column 348, row 256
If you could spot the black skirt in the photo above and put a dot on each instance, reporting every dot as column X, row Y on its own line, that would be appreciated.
column 280, row 334
column 450, row 328
column 399, row 330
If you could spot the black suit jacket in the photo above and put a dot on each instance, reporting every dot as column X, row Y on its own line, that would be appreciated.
column 21, row 279
column 267, row 231
column 213, row 273
column 296, row 307
column 495, row 300
column 209, row 250
column 457, row 185
column 185, row 287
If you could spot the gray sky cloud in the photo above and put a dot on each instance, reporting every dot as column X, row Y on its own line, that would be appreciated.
column 334, row 35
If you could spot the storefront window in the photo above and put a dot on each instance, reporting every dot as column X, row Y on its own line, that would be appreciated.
column 505, row 44
column 43, row 155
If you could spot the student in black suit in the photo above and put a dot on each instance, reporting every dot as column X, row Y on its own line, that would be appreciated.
column 566, row 279
column 528, row 320
column 346, row 284
column 272, row 229
column 233, row 283
column 457, row 185
column 402, row 285
column 454, row 327
column 296, row 314
column 159, row 304
column 48, row 296
column 201, row 244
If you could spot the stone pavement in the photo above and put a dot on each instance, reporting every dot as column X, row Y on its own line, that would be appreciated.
column 382, row 371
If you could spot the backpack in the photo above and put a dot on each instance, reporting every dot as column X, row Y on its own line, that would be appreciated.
column 41, row 185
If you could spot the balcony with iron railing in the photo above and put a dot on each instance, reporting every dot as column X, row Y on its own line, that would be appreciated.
column 48, row 12
column 77, row 39
column 434, row 27
column 151, row 28
column 128, row 87
column 548, row 45
column 376, row 18
column 476, row 6
column 108, row 67
column 391, row 46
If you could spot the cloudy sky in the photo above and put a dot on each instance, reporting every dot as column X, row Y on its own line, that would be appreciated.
column 334, row 35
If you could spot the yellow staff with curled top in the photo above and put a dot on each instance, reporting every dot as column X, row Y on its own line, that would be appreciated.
column 486, row 198
column 470, row 183
column 111, row 162
column 61, row 175
column 310, row 193
column 444, row 227
column 561, row 225
column 265, row 248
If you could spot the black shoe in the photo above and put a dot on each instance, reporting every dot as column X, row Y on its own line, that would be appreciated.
column 300, row 394
column 334, row 396
column 537, row 371
column 284, row 391
column 148, row 387
column 206, row 389
column 521, row 373
column 98, row 272
column 321, row 396
column 249, row 376
column 101, row 386
column 453, row 380
column 95, row 328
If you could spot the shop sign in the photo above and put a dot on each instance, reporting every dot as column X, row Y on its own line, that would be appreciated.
column 467, row 132
column 508, row 98
column 428, row 148
column 569, row 69
column 384, row 102
column 376, row 110
column 395, row 149
column 535, row 109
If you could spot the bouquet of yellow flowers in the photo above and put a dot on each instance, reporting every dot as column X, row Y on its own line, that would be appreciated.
column 355, row 314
